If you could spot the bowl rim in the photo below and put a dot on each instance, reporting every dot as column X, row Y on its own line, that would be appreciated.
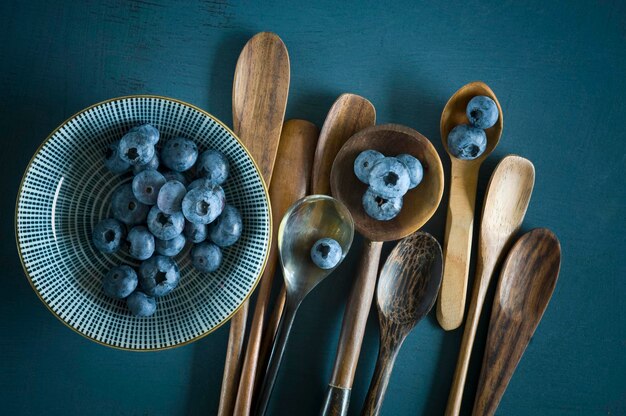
column 256, row 167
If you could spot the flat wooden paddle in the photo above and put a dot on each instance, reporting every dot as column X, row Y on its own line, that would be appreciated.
column 526, row 284
column 260, row 90
column 290, row 183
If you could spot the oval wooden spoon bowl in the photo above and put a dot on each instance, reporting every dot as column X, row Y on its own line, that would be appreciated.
column 460, row 222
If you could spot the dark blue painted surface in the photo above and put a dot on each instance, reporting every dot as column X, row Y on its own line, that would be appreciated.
column 559, row 72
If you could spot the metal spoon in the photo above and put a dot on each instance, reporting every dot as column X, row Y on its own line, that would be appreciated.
column 260, row 91
column 460, row 222
column 407, row 289
column 419, row 205
column 506, row 201
column 526, row 284
column 308, row 220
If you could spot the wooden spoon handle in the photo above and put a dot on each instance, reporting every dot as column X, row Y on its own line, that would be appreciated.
column 232, row 365
column 290, row 182
column 278, row 349
column 352, row 330
column 380, row 380
column 458, row 244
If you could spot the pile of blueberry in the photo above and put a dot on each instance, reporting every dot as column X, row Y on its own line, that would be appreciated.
column 389, row 178
column 162, row 212
column 468, row 141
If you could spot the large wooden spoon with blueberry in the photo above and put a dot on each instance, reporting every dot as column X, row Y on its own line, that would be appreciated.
column 471, row 126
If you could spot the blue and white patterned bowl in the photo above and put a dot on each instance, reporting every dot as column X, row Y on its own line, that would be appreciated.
column 66, row 190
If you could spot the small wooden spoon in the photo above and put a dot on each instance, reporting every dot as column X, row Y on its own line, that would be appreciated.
column 407, row 289
column 460, row 222
column 290, row 183
column 260, row 91
column 349, row 114
column 526, row 284
column 308, row 220
column 419, row 205
column 506, row 201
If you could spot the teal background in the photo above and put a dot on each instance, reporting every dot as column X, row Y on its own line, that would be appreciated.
column 559, row 71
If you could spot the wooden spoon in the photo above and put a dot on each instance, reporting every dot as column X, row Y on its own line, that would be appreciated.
column 506, row 201
column 526, row 284
column 290, row 183
column 460, row 222
column 419, row 205
column 260, row 91
column 308, row 220
column 349, row 114
column 407, row 289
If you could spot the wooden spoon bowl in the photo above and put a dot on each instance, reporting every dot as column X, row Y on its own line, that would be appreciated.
column 419, row 203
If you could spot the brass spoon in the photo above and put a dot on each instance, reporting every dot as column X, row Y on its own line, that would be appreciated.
column 407, row 289
column 526, row 284
column 506, row 201
column 260, row 91
column 349, row 114
column 419, row 205
column 308, row 220
column 460, row 222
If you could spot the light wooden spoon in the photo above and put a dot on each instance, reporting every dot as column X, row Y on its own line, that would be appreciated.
column 419, row 206
column 526, row 284
column 349, row 114
column 290, row 183
column 260, row 91
column 460, row 222
column 506, row 201
column 407, row 289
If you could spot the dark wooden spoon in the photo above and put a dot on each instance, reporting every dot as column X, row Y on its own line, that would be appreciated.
column 528, row 279
column 407, row 289
column 419, row 206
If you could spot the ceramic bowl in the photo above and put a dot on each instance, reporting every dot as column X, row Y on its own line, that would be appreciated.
column 66, row 190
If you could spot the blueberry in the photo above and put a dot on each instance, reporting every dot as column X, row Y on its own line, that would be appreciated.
column 158, row 276
column 206, row 257
column 364, row 163
column 170, row 198
column 179, row 154
column 141, row 242
column 140, row 304
column 379, row 207
column 136, row 149
column 482, row 112
column 389, row 178
column 203, row 205
column 171, row 247
column 467, row 142
column 165, row 226
column 146, row 186
column 414, row 167
column 196, row 233
column 213, row 165
column 120, row 282
column 148, row 130
column 326, row 253
column 112, row 160
column 207, row 183
column 226, row 229
column 172, row 175
column 108, row 235
column 153, row 164
column 126, row 207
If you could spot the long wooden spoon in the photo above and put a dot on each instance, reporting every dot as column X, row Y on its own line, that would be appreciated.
column 526, row 284
column 308, row 220
column 260, row 90
column 349, row 114
column 506, row 201
column 407, row 289
column 460, row 222
column 290, row 183
column 419, row 205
